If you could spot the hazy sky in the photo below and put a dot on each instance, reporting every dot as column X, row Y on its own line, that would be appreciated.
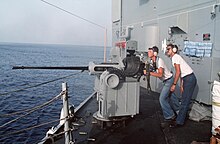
column 33, row 21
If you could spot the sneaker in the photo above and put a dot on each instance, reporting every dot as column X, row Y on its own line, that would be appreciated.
column 177, row 112
column 171, row 119
column 164, row 124
column 175, row 125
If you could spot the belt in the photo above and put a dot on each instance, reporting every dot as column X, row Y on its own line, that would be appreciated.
column 188, row 75
column 167, row 79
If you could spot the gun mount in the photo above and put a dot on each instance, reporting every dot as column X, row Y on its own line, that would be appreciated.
column 117, row 82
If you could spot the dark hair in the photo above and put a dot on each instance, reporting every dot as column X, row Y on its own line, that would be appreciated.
column 171, row 45
column 155, row 49
column 176, row 46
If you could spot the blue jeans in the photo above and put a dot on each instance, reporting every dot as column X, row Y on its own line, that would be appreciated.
column 189, row 84
column 169, row 101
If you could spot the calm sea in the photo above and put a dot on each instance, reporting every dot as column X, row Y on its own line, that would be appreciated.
column 21, row 90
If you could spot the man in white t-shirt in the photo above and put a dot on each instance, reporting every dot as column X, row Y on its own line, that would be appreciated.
column 187, row 82
column 168, row 100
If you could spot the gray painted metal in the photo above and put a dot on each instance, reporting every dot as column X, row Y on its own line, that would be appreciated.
column 122, row 101
column 151, row 21
column 68, row 137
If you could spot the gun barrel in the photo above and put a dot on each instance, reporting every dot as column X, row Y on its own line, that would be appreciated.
column 53, row 68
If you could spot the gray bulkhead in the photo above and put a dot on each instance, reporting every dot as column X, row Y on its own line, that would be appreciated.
column 152, row 21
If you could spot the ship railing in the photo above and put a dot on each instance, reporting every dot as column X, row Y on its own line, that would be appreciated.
column 29, row 111
column 64, row 119
column 40, row 84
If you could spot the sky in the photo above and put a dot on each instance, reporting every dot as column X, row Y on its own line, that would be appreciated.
column 34, row 21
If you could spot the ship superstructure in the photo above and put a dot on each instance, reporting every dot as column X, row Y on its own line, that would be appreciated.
column 192, row 25
column 120, row 110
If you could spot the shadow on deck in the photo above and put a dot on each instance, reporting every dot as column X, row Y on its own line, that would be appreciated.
column 144, row 128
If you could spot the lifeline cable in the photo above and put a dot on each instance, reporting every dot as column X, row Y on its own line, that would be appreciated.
column 100, row 26
column 29, row 128
column 18, row 90
column 33, row 110
column 73, row 14
column 55, row 135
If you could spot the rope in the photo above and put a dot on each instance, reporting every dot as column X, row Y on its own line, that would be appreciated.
column 33, row 109
column 18, row 90
column 74, row 14
column 55, row 135
column 29, row 128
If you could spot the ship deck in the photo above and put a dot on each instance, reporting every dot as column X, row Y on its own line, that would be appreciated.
column 143, row 128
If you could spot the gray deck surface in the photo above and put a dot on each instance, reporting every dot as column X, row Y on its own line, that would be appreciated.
column 144, row 128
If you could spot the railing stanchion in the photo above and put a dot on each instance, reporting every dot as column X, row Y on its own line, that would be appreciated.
column 68, row 136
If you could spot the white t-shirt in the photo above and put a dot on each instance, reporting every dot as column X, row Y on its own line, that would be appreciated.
column 166, row 72
column 185, row 69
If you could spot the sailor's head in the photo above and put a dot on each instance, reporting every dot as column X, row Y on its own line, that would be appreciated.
column 171, row 49
column 153, row 51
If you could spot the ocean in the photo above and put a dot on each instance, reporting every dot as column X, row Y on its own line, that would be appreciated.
column 22, row 90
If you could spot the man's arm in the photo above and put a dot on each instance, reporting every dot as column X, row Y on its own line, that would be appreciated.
column 181, row 85
column 158, row 74
column 176, row 76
